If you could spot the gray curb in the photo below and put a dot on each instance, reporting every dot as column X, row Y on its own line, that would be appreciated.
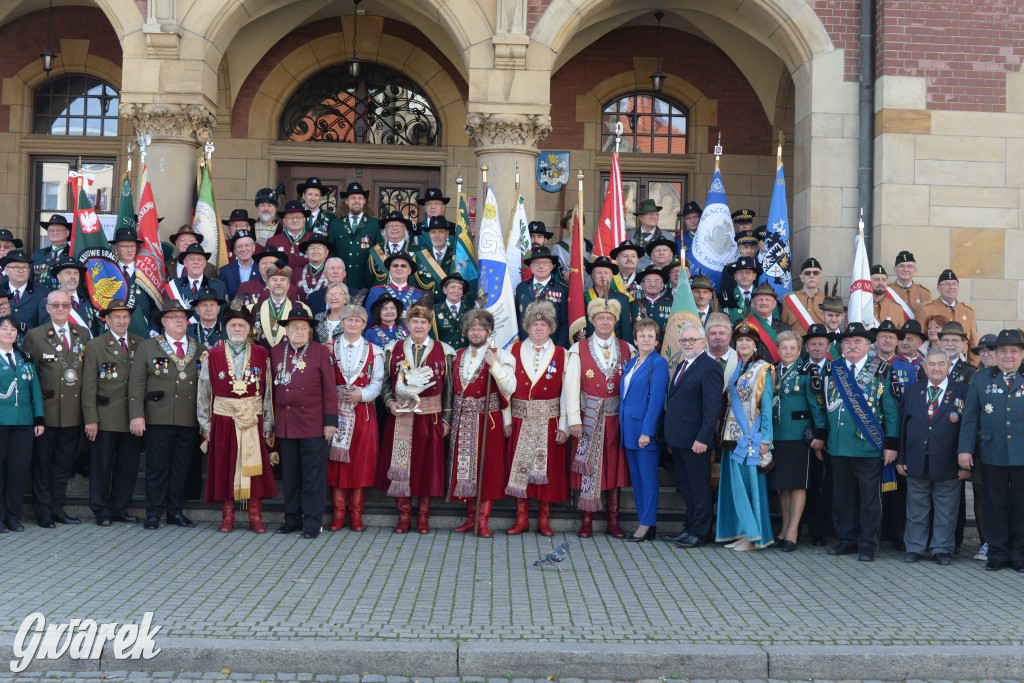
column 919, row 662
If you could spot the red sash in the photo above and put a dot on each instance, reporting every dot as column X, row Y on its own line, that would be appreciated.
column 767, row 335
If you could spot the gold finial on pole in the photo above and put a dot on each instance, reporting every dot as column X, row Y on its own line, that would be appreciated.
column 483, row 171
column 517, row 176
column 778, row 160
column 718, row 150
column 458, row 181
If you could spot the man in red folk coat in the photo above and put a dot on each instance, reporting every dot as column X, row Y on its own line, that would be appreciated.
column 352, row 463
column 471, row 369
column 591, row 396
column 535, row 456
column 236, row 417
column 418, row 393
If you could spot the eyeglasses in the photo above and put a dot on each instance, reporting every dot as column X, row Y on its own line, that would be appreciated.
column 690, row 340
column 18, row 268
column 58, row 306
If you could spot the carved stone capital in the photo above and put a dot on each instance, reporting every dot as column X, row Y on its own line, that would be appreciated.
column 193, row 121
column 508, row 129
column 510, row 51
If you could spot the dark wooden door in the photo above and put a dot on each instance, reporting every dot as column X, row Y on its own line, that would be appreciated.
column 390, row 187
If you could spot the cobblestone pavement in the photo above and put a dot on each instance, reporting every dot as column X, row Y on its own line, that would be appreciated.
column 446, row 586
column 197, row 676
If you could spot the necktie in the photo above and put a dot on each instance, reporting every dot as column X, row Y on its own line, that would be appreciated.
column 394, row 248
column 682, row 369
column 194, row 288
column 746, row 298
column 180, row 352
column 537, row 287
column 10, row 359
column 1008, row 378
column 17, row 297
column 74, row 302
column 124, row 346
column 455, row 310
column 933, row 399
column 439, row 255
column 64, row 339
column 126, row 275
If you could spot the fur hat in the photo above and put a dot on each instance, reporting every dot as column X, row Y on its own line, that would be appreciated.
column 286, row 271
column 542, row 310
column 478, row 316
column 353, row 311
column 599, row 305
column 422, row 308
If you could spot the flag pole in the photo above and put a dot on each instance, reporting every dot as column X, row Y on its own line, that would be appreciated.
column 483, row 175
column 515, row 206
column 778, row 158
column 718, row 150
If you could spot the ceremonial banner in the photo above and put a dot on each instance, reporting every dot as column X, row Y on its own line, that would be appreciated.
column 777, row 262
column 494, row 276
column 518, row 246
column 714, row 245
column 611, row 228
column 465, row 253
column 684, row 310
column 862, row 302
column 205, row 220
column 89, row 247
column 577, row 305
column 150, row 270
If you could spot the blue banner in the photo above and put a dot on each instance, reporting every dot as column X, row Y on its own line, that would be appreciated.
column 777, row 262
column 714, row 245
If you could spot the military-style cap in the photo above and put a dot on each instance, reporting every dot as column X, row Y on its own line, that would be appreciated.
column 743, row 216
column 317, row 238
column 890, row 326
column 905, row 257
column 817, row 330
column 878, row 269
column 746, row 237
column 56, row 219
column 602, row 262
column 833, row 304
column 312, row 183
column 761, row 233
column 947, row 274
column 701, row 281
column 538, row 228
column 811, row 263
column 432, row 194
column 691, row 207
column 986, row 343
column 662, row 242
column 8, row 236
column 294, row 206
column 239, row 215
column 627, row 245
column 193, row 249
column 240, row 235
column 647, row 206
column 953, row 327
column 666, row 272
column 541, row 252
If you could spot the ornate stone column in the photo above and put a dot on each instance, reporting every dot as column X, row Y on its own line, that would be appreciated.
column 175, row 132
column 502, row 140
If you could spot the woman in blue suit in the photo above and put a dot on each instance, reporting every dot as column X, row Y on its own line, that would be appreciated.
column 643, row 390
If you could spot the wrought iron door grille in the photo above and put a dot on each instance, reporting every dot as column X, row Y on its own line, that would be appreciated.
column 401, row 199
column 381, row 107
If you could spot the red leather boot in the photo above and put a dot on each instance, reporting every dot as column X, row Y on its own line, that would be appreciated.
column 544, row 519
column 423, row 514
column 355, row 509
column 470, row 512
column 404, row 515
column 338, row 502
column 485, row 514
column 612, row 498
column 227, row 514
column 587, row 526
column 522, row 517
column 256, row 516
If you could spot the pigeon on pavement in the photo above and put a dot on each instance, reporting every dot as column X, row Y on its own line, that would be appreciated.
column 556, row 556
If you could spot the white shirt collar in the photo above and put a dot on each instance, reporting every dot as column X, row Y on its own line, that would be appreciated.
column 942, row 385
column 542, row 348
column 66, row 328
column 456, row 304
column 951, row 305
column 859, row 366
column 171, row 342
column 355, row 217
column 20, row 290
column 400, row 244
column 543, row 283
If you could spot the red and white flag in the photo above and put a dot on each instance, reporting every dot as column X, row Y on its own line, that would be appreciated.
column 862, row 301
column 611, row 228
column 150, row 271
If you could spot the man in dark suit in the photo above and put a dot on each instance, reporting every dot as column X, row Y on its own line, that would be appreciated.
column 58, row 231
column 207, row 306
column 929, row 435
column 243, row 267
column 192, row 279
column 694, row 402
column 25, row 295
column 69, row 275
column 542, row 286
column 953, row 340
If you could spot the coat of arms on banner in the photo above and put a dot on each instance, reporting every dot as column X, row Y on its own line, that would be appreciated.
column 552, row 170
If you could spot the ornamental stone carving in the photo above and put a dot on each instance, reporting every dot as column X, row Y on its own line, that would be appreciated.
column 508, row 129
column 183, row 121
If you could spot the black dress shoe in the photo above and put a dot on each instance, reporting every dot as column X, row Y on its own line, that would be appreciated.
column 64, row 518
column 102, row 521
column 690, row 541
column 125, row 518
column 994, row 565
column 650, row 535
column 310, row 534
column 182, row 521
column 843, row 549
column 152, row 523
column 3, row 528
column 678, row 537
column 788, row 546
column 46, row 523
column 912, row 558
column 943, row 559
column 818, row 542
column 866, row 556
column 15, row 526
column 1018, row 566
column 288, row 529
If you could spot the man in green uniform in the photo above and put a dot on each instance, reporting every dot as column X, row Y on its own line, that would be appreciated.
column 656, row 303
column 437, row 260
column 319, row 220
column 354, row 235
column 736, row 300
column 448, row 313
column 395, row 239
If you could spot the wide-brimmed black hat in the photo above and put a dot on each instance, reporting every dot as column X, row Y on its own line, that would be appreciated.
column 666, row 272
column 277, row 252
column 817, row 330
column 627, row 245
column 538, row 228
column 890, row 326
column 647, row 206
column 312, row 183
column 193, row 249
column 541, row 252
column 355, row 188
column 387, row 298
column 55, row 219
column 239, row 215
column 15, row 256
column 127, row 235
column 403, row 255
column 745, row 263
column 241, row 234
column 396, row 217
column 1010, row 337
column 454, row 277
column 241, row 313
column 433, row 194
column 856, row 329
column 116, row 305
column 914, row 327
column 691, row 207
column 298, row 315
column 987, row 342
column 171, row 306
column 317, row 238
column 65, row 263
column 8, row 236
column 602, row 262
column 439, row 223
column 294, row 206
column 662, row 242
column 649, row 270
column 953, row 327
column 207, row 294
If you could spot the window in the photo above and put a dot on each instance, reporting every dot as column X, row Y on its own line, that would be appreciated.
column 76, row 105
column 381, row 107
column 52, row 193
column 668, row 192
column 650, row 124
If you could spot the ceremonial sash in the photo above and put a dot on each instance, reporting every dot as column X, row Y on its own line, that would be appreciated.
column 833, row 352
column 857, row 405
column 589, row 459
column 798, row 309
column 890, row 293
column 175, row 294
column 767, row 334
column 400, row 468
column 432, row 268
column 377, row 267
column 530, row 458
column 748, row 441
column 77, row 319
column 244, row 414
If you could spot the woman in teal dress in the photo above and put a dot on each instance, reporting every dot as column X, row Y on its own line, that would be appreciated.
column 743, row 517
column 21, row 418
